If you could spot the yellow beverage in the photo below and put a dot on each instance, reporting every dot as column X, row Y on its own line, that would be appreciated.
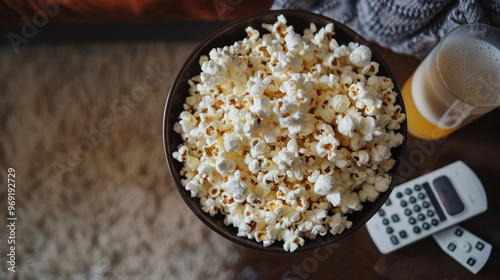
column 417, row 124
column 455, row 84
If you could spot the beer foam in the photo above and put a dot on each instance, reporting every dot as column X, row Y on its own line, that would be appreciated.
column 470, row 68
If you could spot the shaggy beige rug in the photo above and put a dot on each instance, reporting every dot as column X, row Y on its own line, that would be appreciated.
column 81, row 125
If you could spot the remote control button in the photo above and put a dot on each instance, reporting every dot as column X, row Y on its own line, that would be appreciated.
column 412, row 199
column 426, row 226
column 421, row 217
column 388, row 202
column 381, row 212
column 416, row 208
column 403, row 203
column 434, row 202
column 416, row 229
column 407, row 212
column 434, row 222
column 471, row 261
column 403, row 234
column 412, row 221
column 430, row 213
column 394, row 240
column 385, row 221
column 421, row 196
column 408, row 191
column 465, row 246
column 395, row 218
column 458, row 232
column 389, row 230
column 417, row 188
column 426, row 204
column 399, row 195
column 480, row 245
column 452, row 247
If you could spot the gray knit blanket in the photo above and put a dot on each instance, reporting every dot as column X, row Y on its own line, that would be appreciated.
column 406, row 26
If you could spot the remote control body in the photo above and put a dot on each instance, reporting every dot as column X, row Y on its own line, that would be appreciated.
column 466, row 248
column 427, row 205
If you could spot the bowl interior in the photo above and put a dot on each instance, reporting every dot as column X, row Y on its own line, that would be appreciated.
column 235, row 31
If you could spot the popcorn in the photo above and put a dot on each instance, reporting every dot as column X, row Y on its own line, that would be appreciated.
column 354, row 202
column 368, row 192
column 282, row 192
column 314, row 222
column 333, row 44
column 325, row 111
column 360, row 56
column 270, row 236
column 194, row 187
column 182, row 154
column 338, row 224
column 324, row 184
column 368, row 127
column 340, row 103
column 294, row 42
column 254, row 200
column 347, row 126
column 314, row 176
column 307, row 53
column 292, row 239
column 331, row 61
column 205, row 170
column 380, row 153
column 290, row 217
column 300, row 203
column 211, row 68
column 327, row 147
column 224, row 166
column 328, row 81
column 361, row 157
column 395, row 139
column 270, row 133
column 232, row 143
column 253, row 34
column 287, row 134
column 244, row 230
column 214, row 191
column 341, row 51
column 335, row 197
column 322, row 130
column 238, row 187
column 296, row 121
column 275, row 209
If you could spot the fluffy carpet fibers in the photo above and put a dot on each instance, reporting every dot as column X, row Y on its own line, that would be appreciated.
column 81, row 125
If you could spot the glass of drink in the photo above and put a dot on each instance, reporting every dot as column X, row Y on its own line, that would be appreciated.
column 456, row 83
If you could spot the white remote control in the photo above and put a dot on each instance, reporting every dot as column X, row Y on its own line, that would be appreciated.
column 427, row 205
column 466, row 248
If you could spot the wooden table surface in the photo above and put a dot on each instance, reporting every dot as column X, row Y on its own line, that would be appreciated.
column 356, row 257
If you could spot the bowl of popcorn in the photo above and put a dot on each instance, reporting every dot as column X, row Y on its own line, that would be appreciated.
column 284, row 131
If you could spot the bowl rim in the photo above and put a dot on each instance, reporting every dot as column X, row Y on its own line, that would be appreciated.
column 309, row 243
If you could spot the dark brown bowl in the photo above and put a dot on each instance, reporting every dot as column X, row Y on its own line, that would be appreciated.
column 233, row 32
